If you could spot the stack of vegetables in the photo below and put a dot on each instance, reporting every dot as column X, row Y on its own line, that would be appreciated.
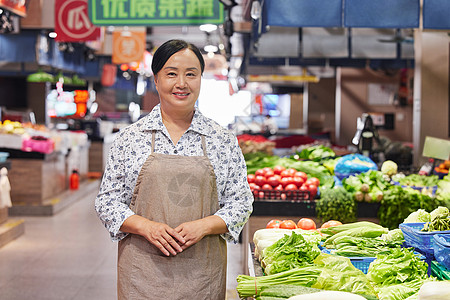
column 393, row 195
column 398, row 274
column 361, row 239
column 336, row 204
column 255, row 143
column 294, row 265
column 256, row 161
column 280, row 183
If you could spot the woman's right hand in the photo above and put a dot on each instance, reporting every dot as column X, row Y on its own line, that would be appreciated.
column 161, row 235
column 164, row 237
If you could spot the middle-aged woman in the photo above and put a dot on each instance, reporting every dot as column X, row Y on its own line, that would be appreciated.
column 174, row 190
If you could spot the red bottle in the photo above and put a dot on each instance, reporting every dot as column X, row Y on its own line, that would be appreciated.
column 74, row 180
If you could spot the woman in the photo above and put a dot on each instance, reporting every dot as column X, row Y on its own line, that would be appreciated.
column 174, row 190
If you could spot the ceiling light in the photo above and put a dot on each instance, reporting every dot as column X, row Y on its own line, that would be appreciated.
column 211, row 48
column 208, row 27
column 52, row 35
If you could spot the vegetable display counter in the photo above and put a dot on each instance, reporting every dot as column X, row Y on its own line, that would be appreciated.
column 37, row 177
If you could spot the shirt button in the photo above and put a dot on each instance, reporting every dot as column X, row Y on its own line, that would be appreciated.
column 176, row 151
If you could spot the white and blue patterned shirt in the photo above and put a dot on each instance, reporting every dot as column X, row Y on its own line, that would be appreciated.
column 131, row 148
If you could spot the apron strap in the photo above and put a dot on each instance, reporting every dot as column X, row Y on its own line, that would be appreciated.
column 204, row 146
column 153, row 142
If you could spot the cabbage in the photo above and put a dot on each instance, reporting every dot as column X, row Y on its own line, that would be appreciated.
column 389, row 168
column 394, row 236
column 418, row 216
column 441, row 212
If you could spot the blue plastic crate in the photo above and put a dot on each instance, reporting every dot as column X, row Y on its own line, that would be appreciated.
column 359, row 262
column 441, row 244
column 421, row 240
column 363, row 263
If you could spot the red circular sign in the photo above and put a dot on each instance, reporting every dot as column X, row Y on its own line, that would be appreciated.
column 73, row 19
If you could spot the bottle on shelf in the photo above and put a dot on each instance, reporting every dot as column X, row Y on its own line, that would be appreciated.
column 74, row 180
column 427, row 168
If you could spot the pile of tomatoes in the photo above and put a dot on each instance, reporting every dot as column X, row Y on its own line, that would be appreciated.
column 303, row 223
column 288, row 182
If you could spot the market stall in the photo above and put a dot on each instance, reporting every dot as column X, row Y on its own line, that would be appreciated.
column 41, row 160
column 370, row 202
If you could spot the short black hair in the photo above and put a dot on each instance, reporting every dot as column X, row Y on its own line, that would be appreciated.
column 169, row 48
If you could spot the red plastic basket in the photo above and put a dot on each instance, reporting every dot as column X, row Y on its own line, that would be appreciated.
column 289, row 195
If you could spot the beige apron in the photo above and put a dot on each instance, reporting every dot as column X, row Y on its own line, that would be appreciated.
column 173, row 189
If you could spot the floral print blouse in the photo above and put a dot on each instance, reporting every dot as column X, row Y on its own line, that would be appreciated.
column 131, row 148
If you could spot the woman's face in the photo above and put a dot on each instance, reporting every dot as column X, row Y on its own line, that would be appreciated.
column 178, row 82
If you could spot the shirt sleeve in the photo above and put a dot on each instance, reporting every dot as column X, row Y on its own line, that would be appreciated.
column 237, row 199
column 113, row 200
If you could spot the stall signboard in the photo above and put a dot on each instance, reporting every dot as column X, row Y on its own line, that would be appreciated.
column 72, row 23
column 128, row 46
column 155, row 12
column 17, row 7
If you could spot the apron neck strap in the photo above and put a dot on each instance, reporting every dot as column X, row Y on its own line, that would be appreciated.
column 204, row 145
column 153, row 141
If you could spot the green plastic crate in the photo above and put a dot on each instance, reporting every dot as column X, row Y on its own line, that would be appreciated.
column 439, row 271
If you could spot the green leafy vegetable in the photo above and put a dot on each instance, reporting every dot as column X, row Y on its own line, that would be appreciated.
column 398, row 203
column 369, row 232
column 400, row 266
column 316, row 153
column 418, row 216
column 289, row 252
column 336, row 204
column 250, row 286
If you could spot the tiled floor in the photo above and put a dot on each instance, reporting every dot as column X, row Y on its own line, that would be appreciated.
column 70, row 256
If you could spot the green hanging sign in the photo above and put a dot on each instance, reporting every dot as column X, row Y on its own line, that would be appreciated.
column 155, row 12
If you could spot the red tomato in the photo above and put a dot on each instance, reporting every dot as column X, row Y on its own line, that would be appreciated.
column 265, row 169
column 291, row 172
column 268, row 172
column 330, row 223
column 260, row 180
column 288, row 224
column 291, row 187
column 302, row 175
column 279, row 187
column 306, row 224
column 283, row 196
column 314, row 180
column 254, row 186
column 285, row 173
column 298, row 181
column 273, row 181
column 273, row 223
column 260, row 172
column 261, row 195
column 267, row 187
column 285, row 181
column 251, row 178
column 278, row 169
column 303, row 188
column 312, row 190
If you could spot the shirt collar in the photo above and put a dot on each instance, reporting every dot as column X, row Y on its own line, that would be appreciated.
column 153, row 121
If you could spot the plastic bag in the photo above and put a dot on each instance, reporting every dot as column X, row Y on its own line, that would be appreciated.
column 353, row 164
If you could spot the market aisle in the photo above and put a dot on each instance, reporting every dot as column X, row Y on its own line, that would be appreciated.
column 70, row 256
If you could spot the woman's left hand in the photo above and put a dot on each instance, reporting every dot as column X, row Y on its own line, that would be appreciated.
column 194, row 231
